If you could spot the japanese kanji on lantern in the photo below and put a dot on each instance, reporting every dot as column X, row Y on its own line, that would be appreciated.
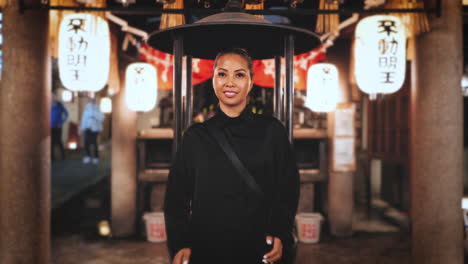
column 84, row 52
column 322, row 87
column 141, row 87
column 380, row 54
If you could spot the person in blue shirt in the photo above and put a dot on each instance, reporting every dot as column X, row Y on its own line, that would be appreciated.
column 91, row 125
column 58, row 116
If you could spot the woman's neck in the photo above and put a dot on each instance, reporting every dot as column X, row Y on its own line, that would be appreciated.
column 234, row 111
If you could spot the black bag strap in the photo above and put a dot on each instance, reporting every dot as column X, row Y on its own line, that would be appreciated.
column 243, row 171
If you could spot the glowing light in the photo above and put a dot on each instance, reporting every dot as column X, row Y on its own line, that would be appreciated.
column 125, row 2
column 141, row 87
column 105, row 105
column 85, row 1
column 67, row 96
column 72, row 145
column 104, row 228
column 465, row 203
column 322, row 87
column 380, row 54
column 84, row 52
column 464, row 84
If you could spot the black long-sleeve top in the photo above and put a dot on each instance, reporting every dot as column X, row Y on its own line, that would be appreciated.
column 210, row 209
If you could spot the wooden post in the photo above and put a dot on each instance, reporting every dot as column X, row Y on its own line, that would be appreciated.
column 25, row 136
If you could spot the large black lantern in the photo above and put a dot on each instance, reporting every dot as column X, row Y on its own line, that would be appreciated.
column 233, row 28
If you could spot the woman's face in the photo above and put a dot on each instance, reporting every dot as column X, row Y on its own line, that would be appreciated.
column 232, row 81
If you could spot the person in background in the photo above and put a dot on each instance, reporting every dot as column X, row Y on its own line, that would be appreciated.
column 58, row 116
column 91, row 126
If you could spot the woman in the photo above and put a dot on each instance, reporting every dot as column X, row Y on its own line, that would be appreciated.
column 211, row 214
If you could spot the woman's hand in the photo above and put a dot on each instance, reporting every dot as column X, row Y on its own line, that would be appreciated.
column 182, row 257
column 276, row 252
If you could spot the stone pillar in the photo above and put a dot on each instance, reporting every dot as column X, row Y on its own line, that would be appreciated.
column 25, row 137
column 437, row 140
column 124, row 181
column 340, row 184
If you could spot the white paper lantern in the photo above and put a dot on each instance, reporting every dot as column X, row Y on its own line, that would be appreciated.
column 380, row 54
column 84, row 52
column 141, row 87
column 105, row 105
column 322, row 87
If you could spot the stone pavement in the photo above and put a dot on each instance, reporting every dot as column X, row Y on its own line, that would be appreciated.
column 71, row 176
column 361, row 248
column 375, row 240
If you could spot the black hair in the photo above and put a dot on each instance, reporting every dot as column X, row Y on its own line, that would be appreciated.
column 238, row 51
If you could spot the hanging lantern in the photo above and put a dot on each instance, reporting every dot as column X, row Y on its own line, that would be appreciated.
column 84, row 52
column 322, row 87
column 380, row 54
column 141, row 87
column 56, row 16
column 105, row 105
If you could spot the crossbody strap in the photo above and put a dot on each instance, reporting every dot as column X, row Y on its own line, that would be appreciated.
column 243, row 171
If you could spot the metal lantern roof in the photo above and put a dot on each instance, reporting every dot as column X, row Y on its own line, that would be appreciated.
column 232, row 28
column 206, row 37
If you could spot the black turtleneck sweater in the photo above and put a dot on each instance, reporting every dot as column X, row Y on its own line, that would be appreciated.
column 210, row 209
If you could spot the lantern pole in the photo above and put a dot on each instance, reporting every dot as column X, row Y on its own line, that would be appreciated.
column 289, row 56
column 178, row 50
column 188, row 93
column 278, row 91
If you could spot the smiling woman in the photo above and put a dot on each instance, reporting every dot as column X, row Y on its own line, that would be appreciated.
column 232, row 80
column 233, row 190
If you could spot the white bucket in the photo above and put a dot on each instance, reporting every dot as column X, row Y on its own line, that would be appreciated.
column 308, row 227
column 155, row 226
